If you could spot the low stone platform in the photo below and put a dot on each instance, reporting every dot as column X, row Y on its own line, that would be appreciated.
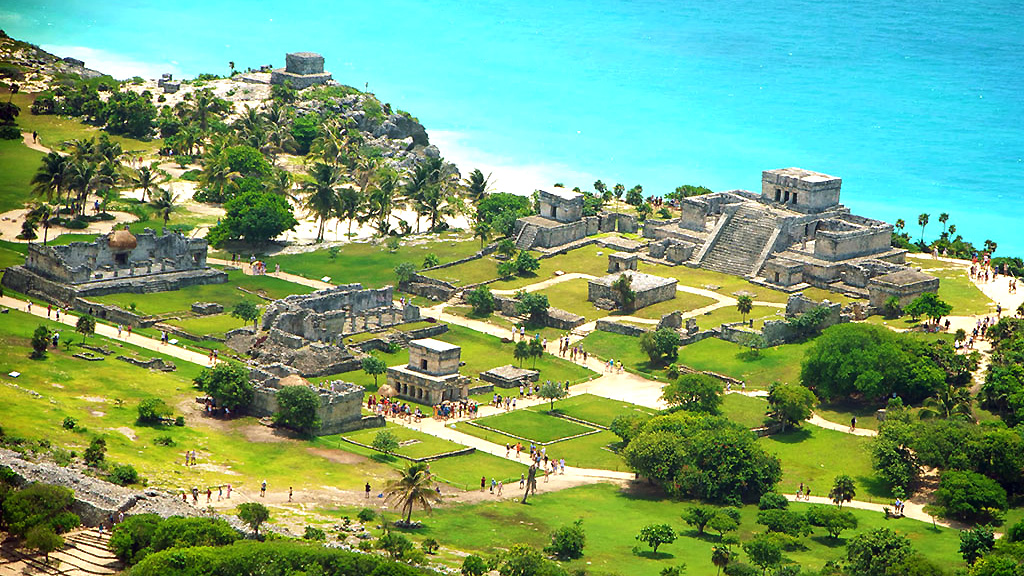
column 509, row 376
column 649, row 289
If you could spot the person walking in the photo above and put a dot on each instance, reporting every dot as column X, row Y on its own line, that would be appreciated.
column 263, row 489
column 289, row 493
column 367, row 490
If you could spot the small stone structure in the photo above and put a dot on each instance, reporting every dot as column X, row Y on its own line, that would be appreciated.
column 113, row 263
column 621, row 262
column 302, row 70
column 649, row 289
column 792, row 235
column 329, row 314
column 340, row 407
column 509, row 376
column 905, row 285
column 560, row 221
column 561, row 205
column 432, row 375
column 207, row 308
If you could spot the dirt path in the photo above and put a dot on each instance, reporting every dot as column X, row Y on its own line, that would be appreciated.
column 26, row 138
column 247, row 268
column 911, row 509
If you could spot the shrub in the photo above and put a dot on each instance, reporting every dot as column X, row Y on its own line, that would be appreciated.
column 69, row 423
column 430, row 546
column 315, row 534
column 253, row 513
column 366, row 515
column 179, row 420
column 9, row 132
column 153, row 411
column 297, row 406
column 385, row 441
column 164, row 441
column 123, row 475
column 482, row 301
column 773, row 501
column 654, row 535
column 474, row 566
column 130, row 537
column 395, row 544
column 567, row 541
column 96, row 451
column 969, row 496
column 39, row 505
column 661, row 345
column 40, row 342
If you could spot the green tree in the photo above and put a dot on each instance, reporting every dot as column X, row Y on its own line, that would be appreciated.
column 521, row 351
column 405, row 271
column 790, row 404
column 39, row 505
column 132, row 536
column 477, row 185
column 720, row 557
column 297, row 409
column 255, row 217
column 533, row 304
column 725, row 520
column 41, row 342
column 43, row 539
column 473, row 565
column 396, row 545
column 385, row 441
column 661, row 346
column 567, row 541
column 928, row 305
column 153, row 410
column 618, row 190
column 623, row 288
column 969, row 496
column 784, row 522
column 773, row 501
column 744, row 304
column 483, row 231
column 248, row 312
column 843, row 490
column 431, row 260
column 525, row 263
column 922, row 221
column 635, row 196
column 524, row 560
column 654, row 535
column 349, row 206
column 414, row 487
column 833, row 520
column 976, row 542
column 536, row 350
column 85, row 326
column 699, row 516
column 228, row 384
column 551, row 391
column 148, row 178
column 254, row 514
column 322, row 198
column 695, row 393
column 764, row 552
column 374, row 367
column 482, row 300
column 96, row 452
column 163, row 203
column 874, row 553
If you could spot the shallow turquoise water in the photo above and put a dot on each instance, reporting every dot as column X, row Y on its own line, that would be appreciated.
column 917, row 106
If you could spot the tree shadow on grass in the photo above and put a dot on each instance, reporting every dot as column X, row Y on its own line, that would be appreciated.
column 652, row 555
column 828, row 541
column 794, row 436
column 383, row 458
column 875, row 486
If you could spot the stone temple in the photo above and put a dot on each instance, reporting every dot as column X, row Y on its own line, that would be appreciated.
column 792, row 235
column 432, row 375
column 560, row 221
column 116, row 262
column 302, row 70
column 649, row 289
column 340, row 408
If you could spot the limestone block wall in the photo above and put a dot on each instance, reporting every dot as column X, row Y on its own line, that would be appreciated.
column 644, row 296
column 800, row 190
column 618, row 222
column 563, row 206
column 434, row 362
column 80, row 261
column 833, row 245
column 617, row 328
column 304, row 63
column 338, row 412
column 558, row 235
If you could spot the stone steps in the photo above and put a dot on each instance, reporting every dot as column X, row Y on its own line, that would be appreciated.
column 526, row 238
column 85, row 553
column 742, row 240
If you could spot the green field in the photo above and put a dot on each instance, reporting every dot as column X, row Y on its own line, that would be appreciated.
column 612, row 517
column 532, row 426
column 595, row 409
column 684, row 302
column 815, row 456
column 745, row 410
column 373, row 265
column 18, row 164
column 213, row 325
column 417, row 444
column 591, row 451
column 227, row 294
column 625, row 349
column 775, row 364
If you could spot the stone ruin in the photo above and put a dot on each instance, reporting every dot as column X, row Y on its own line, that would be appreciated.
column 116, row 262
column 622, row 262
column 432, row 374
column 340, row 407
column 649, row 289
column 302, row 70
column 328, row 315
column 792, row 235
column 904, row 285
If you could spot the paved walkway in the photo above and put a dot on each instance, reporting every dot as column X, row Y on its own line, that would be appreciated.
column 912, row 510
column 26, row 138
column 247, row 268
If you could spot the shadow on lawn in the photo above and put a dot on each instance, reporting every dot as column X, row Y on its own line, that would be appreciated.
column 652, row 555
column 792, row 436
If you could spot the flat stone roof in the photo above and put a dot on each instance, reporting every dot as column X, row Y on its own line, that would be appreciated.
column 510, row 372
column 803, row 174
column 435, row 345
column 305, row 54
column 563, row 193
column 542, row 221
column 638, row 280
column 904, row 278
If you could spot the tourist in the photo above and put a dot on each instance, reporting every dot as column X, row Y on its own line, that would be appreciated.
column 561, row 464
column 499, row 487
column 35, row 136
column 220, row 492
column 367, row 490
column 522, row 480
column 49, row 308
column 853, row 423
column 483, row 483
column 493, row 483
column 209, row 494
column 118, row 330
column 229, row 491
column 289, row 493
column 263, row 489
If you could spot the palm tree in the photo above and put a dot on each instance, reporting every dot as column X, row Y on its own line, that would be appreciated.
column 414, row 487
column 477, row 185
column 205, row 103
column 43, row 213
column 744, row 304
column 952, row 229
column 720, row 557
column 381, row 200
column 943, row 218
column 619, row 190
column 900, row 224
column 349, row 205
column 482, row 230
column 322, row 194
column 164, row 202
column 1020, row 310
column 990, row 246
column 947, row 403
column 148, row 178
column 51, row 177
column 922, row 221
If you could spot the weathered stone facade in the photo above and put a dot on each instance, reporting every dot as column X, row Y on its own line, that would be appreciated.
column 340, row 407
column 326, row 315
column 649, row 289
column 905, row 285
column 509, row 376
column 561, row 205
column 621, row 262
column 113, row 263
column 432, row 375
column 538, row 231
column 302, row 70
column 801, row 190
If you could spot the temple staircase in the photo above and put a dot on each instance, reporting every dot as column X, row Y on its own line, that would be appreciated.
column 84, row 553
column 527, row 236
column 742, row 243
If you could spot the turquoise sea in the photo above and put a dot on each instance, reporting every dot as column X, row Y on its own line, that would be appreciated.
column 918, row 106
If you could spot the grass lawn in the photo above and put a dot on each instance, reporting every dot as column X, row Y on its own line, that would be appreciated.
column 533, row 426
column 815, row 456
column 571, row 296
column 373, row 265
column 11, row 254
column 55, row 130
column 701, row 278
column 684, row 302
column 590, row 259
column 779, row 363
column 625, row 349
column 841, row 414
column 227, row 294
column 729, row 314
column 18, row 164
column 591, row 451
column 88, row 392
column 957, row 290
column 416, row 444
column 213, row 325
column 745, row 410
column 464, row 472
column 594, row 409
column 611, row 518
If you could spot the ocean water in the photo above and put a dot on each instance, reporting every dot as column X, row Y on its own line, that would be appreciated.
column 917, row 106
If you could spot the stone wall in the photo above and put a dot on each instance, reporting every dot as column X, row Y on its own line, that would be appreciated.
column 618, row 222
column 437, row 290
column 618, row 328
column 672, row 250
column 326, row 314
column 561, row 205
column 340, row 407
column 648, row 289
column 833, row 245
column 562, row 320
column 569, row 232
